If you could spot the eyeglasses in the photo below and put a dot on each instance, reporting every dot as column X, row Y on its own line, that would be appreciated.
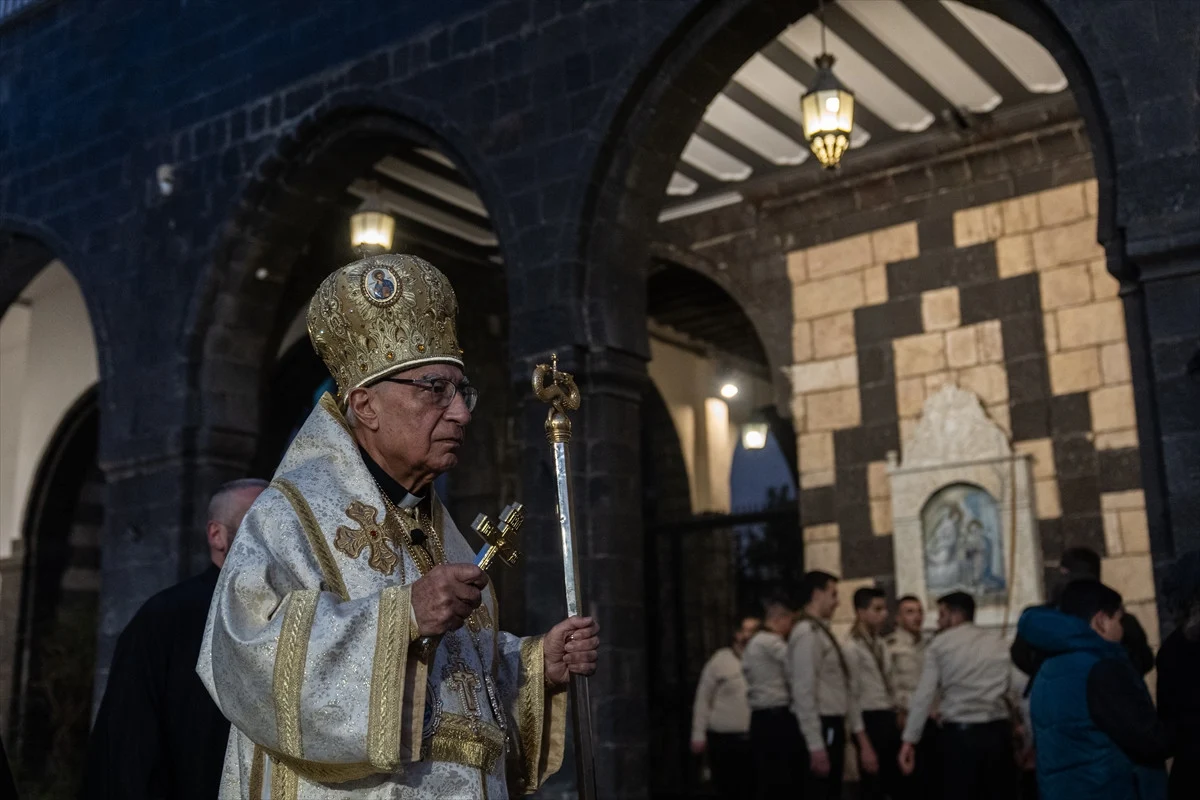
column 442, row 389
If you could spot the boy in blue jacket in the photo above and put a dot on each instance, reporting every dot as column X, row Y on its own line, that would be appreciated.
column 1095, row 727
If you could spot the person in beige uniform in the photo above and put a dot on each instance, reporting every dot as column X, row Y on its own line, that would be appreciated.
column 906, row 655
column 970, row 667
column 872, row 699
column 820, row 685
column 721, row 715
column 774, row 734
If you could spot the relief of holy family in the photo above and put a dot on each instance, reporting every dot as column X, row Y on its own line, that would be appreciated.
column 964, row 549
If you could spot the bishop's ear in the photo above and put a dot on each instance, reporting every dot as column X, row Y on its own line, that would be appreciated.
column 362, row 408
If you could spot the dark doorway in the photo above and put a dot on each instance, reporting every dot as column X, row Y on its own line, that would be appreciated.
column 703, row 573
column 56, row 638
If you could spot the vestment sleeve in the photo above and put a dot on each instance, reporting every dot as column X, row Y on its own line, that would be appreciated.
column 327, row 686
column 802, row 671
column 539, row 713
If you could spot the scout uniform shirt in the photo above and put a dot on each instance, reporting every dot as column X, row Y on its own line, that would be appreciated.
column 870, row 674
column 721, row 704
column 820, row 680
column 764, row 666
column 970, row 667
column 906, row 654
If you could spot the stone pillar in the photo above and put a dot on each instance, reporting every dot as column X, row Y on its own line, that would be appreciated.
column 11, row 568
column 1161, row 290
column 607, row 482
column 160, row 474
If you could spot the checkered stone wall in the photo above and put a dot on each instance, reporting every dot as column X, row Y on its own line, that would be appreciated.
column 1010, row 300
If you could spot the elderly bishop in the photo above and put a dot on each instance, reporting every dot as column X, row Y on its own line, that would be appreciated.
column 351, row 640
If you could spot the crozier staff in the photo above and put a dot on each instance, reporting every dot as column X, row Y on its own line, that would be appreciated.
column 315, row 641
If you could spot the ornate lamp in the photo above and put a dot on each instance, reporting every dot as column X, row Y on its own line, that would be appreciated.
column 827, row 110
column 372, row 227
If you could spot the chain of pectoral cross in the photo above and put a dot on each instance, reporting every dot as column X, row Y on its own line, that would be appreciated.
column 466, row 683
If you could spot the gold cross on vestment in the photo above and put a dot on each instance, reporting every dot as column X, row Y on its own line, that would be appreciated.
column 352, row 541
column 466, row 683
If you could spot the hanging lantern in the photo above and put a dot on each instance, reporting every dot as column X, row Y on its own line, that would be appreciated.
column 372, row 227
column 828, row 113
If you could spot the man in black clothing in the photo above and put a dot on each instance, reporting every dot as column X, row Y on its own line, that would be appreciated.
column 1082, row 563
column 158, row 734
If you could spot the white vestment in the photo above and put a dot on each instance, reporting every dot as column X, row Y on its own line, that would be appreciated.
column 312, row 654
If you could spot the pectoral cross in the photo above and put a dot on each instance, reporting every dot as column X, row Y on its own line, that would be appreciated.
column 466, row 683
column 352, row 541
column 501, row 538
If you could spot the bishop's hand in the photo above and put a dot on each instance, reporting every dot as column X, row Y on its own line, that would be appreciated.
column 445, row 596
column 570, row 648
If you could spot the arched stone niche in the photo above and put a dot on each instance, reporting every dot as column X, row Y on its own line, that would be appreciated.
column 964, row 512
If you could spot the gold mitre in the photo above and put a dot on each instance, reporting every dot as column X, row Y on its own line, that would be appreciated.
column 381, row 315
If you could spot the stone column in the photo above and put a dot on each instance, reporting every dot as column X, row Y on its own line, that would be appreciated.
column 160, row 473
column 608, row 492
column 1161, row 290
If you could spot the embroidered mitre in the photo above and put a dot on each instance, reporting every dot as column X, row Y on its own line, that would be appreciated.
column 382, row 315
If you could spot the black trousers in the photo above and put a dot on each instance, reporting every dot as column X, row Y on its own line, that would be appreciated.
column 979, row 763
column 927, row 781
column 728, row 757
column 833, row 734
column 780, row 758
column 883, row 731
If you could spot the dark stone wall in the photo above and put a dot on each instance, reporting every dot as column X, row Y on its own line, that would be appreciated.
column 567, row 116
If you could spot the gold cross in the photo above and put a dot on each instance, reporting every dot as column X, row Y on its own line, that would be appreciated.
column 352, row 541
column 466, row 683
column 502, row 538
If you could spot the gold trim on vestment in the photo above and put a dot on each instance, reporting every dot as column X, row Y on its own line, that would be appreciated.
column 329, row 404
column 542, row 728
column 290, row 654
column 319, row 771
column 466, row 740
column 316, row 539
column 285, row 783
column 256, row 774
column 387, row 678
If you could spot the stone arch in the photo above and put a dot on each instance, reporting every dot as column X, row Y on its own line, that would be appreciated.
column 263, row 272
column 287, row 232
column 51, row 507
column 670, row 93
column 716, row 327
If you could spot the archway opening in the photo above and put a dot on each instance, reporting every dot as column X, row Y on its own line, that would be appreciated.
column 302, row 234
column 720, row 495
column 957, row 244
column 51, row 514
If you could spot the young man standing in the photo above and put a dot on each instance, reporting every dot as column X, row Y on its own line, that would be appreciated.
column 774, row 736
column 969, row 666
column 872, row 697
column 721, row 715
column 1098, row 735
column 906, row 655
column 820, row 684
